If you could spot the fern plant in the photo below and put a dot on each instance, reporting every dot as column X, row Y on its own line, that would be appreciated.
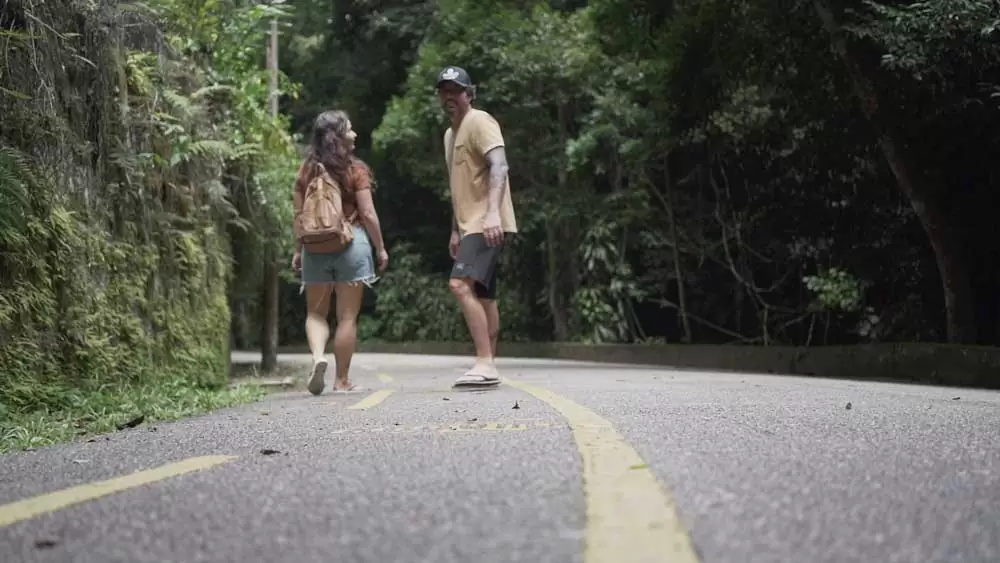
column 15, row 168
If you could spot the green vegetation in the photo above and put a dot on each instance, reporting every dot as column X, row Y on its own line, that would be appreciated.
column 722, row 171
column 135, row 168
column 803, row 173
column 74, row 413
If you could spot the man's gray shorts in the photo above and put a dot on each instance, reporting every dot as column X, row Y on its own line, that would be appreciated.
column 479, row 261
column 353, row 264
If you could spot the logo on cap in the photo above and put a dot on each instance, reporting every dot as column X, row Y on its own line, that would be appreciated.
column 449, row 74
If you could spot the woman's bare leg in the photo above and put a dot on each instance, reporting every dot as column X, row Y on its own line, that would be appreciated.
column 349, row 296
column 318, row 331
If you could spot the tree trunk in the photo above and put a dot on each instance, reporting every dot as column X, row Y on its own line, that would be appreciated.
column 269, row 310
column 560, row 317
column 240, row 323
column 676, row 251
column 955, row 281
column 561, row 250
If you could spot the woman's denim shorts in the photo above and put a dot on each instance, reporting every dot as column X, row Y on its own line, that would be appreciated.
column 353, row 264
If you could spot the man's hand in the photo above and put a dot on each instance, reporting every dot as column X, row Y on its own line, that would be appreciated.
column 297, row 262
column 383, row 260
column 453, row 244
column 491, row 229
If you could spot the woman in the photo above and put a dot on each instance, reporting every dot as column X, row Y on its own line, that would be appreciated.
column 348, row 271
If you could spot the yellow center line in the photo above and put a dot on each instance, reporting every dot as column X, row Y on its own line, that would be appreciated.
column 50, row 502
column 372, row 400
column 631, row 518
column 375, row 398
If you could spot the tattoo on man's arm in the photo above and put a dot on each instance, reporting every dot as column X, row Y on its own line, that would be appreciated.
column 497, row 159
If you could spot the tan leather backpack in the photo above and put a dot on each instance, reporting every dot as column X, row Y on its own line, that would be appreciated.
column 320, row 224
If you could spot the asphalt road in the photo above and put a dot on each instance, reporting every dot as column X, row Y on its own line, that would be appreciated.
column 596, row 464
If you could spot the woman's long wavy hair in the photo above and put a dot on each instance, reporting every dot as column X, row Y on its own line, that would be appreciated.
column 329, row 145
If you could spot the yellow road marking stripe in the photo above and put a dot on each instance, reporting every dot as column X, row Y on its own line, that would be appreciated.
column 372, row 400
column 42, row 504
column 486, row 427
column 631, row 518
column 510, row 426
column 377, row 397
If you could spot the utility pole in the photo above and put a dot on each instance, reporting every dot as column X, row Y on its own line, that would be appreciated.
column 272, row 66
column 271, row 282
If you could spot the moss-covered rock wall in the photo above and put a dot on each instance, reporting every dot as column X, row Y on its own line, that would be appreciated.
column 113, row 257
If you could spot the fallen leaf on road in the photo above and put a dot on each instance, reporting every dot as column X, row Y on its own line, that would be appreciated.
column 445, row 399
column 81, row 461
column 955, row 398
column 265, row 413
column 473, row 419
column 640, row 466
column 268, row 451
column 132, row 423
column 848, row 407
column 516, row 406
column 46, row 543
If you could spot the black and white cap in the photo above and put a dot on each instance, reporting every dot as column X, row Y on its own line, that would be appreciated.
column 454, row 74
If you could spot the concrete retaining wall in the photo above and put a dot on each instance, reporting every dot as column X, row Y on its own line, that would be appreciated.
column 936, row 364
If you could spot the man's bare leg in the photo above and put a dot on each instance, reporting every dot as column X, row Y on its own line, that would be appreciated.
column 492, row 323
column 478, row 324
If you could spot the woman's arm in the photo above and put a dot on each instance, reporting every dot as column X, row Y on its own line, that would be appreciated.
column 361, row 179
column 298, row 195
column 369, row 218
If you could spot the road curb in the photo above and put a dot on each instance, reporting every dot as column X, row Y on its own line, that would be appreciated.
column 909, row 362
column 270, row 385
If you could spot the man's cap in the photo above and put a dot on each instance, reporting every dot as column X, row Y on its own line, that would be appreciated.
column 454, row 74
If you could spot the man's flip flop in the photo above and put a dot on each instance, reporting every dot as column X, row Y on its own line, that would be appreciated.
column 476, row 380
column 351, row 389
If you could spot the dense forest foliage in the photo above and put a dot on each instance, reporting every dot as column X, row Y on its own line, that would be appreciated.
column 801, row 172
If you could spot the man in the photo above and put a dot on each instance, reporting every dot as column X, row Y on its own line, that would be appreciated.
column 482, row 216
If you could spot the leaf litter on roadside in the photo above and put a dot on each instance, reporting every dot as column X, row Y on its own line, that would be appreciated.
column 132, row 423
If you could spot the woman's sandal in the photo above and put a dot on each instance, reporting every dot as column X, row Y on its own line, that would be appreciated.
column 354, row 388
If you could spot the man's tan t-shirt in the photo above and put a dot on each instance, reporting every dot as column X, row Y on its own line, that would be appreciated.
column 469, row 172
